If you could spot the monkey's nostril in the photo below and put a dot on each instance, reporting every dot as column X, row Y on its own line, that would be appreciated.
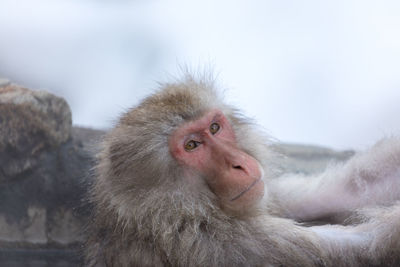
column 237, row 167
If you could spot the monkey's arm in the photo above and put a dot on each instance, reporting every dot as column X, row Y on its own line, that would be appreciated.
column 374, row 242
column 370, row 178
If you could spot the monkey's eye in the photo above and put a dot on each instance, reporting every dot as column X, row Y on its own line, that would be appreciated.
column 214, row 128
column 191, row 145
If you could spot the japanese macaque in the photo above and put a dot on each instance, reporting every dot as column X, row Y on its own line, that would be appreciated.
column 185, row 180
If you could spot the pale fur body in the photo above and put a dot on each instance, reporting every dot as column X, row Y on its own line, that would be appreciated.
column 149, row 212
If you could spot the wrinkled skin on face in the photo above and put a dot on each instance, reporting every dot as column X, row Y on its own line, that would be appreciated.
column 208, row 146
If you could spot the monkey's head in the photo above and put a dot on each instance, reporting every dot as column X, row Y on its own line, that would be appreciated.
column 183, row 144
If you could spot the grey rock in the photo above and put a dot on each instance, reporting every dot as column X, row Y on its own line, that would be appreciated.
column 308, row 159
column 4, row 82
column 43, row 212
column 53, row 113
column 44, row 166
column 30, row 122
column 46, row 206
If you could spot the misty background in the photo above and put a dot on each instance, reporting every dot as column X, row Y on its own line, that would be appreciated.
column 311, row 71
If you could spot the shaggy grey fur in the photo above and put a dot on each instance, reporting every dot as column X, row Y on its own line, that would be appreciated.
column 148, row 214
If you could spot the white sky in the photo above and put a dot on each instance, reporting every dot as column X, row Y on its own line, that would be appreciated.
column 311, row 71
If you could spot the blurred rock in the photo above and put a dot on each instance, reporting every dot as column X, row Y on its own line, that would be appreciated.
column 30, row 122
column 4, row 82
column 44, row 168
column 51, row 113
column 44, row 163
column 295, row 158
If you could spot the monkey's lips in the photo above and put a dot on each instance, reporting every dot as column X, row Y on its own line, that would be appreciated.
column 246, row 190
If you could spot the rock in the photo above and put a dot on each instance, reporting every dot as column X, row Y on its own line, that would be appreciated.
column 30, row 122
column 4, row 82
column 43, row 212
column 52, row 112
column 306, row 159
column 46, row 205
column 44, row 166
column 33, row 230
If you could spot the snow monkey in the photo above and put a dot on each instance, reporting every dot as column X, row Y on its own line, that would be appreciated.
column 184, row 179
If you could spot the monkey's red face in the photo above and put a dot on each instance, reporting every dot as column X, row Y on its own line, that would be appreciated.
column 208, row 145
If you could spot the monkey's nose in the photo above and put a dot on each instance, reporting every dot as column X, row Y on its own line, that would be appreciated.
column 237, row 167
column 240, row 168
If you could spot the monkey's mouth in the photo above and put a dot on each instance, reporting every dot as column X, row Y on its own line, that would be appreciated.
column 245, row 190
